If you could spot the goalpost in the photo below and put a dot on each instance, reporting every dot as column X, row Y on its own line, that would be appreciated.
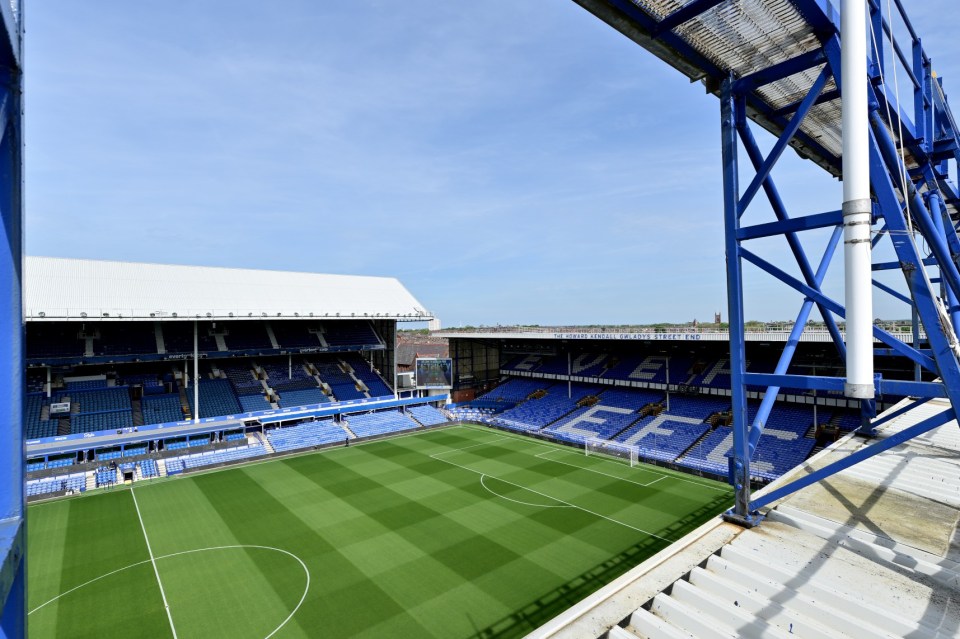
column 613, row 450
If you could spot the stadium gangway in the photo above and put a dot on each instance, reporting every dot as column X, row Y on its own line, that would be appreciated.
column 13, row 619
column 777, row 64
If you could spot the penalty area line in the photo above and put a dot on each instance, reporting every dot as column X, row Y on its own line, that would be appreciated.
column 537, row 492
column 600, row 472
column 456, row 450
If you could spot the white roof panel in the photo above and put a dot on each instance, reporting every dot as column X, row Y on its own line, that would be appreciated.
column 72, row 289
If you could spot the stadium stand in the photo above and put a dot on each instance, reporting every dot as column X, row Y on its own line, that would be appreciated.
column 350, row 333
column 680, row 435
column 36, row 382
column 584, row 365
column 106, row 476
column 148, row 468
column 253, row 403
column 243, row 380
column 249, row 390
column 159, row 409
column 108, row 454
column 698, row 407
column 247, row 335
column 524, row 363
column 301, row 397
column 471, row 413
column 216, row 398
column 187, row 442
column 105, row 420
column 62, row 483
column 427, row 415
column 124, row 338
column 663, row 437
column 615, row 411
column 293, row 385
column 777, row 454
column 516, row 390
column 296, row 334
column 342, row 385
column 212, row 457
column 61, row 462
column 34, row 426
column 96, row 400
column 846, row 421
column 85, row 384
column 306, row 435
column 534, row 414
column 178, row 337
column 379, row 423
column 54, row 340
column 361, row 368
column 150, row 384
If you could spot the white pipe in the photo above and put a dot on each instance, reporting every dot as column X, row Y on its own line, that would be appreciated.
column 196, row 376
column 858, row 285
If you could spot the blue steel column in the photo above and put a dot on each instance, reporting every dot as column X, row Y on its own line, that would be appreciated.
column 12, row 499
column 732, row 111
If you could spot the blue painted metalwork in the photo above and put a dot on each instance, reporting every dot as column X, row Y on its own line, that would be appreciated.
column 926, row 203
column 12, row 497
column 792, row 225
column 732, row 112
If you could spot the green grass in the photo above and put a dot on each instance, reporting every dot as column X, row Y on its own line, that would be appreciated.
column 461, row 532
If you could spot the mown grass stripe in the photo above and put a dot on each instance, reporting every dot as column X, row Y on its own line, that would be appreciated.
column 398, row 541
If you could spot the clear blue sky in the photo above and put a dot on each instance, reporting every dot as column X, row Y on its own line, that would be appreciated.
column 508, row 161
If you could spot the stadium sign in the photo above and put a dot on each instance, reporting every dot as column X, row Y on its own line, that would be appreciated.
column 632, row 336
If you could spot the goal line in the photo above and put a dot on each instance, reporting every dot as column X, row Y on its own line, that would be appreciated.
column 612, row 450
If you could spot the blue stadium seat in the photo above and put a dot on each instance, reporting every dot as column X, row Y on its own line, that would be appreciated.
column 534, row 414
column 306, row 435
column 76, row 482
column 212, row 457
column 160, row 409
column 427, row 415
column 379, row 423
column 216, row 398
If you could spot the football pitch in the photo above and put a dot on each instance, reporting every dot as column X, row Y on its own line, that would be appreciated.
column 457, row 532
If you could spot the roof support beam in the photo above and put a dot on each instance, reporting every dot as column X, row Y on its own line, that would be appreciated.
column 780, row 71
column 684, row 14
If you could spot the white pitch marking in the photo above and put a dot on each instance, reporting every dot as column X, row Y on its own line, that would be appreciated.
column 303, row 597
column 517, row 501
column 454, row 450
column 600, row 472
column 595, row 514
column 153, row 561
column 527, row 440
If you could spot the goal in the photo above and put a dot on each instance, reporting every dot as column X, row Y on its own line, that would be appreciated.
column 613, row 450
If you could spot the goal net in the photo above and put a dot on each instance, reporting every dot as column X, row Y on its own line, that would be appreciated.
column 612, row 450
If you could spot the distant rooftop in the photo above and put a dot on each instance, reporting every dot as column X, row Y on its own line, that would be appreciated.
column 758, row 332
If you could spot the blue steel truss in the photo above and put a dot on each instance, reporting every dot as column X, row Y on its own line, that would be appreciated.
column 913, row 144
column 12, row 500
